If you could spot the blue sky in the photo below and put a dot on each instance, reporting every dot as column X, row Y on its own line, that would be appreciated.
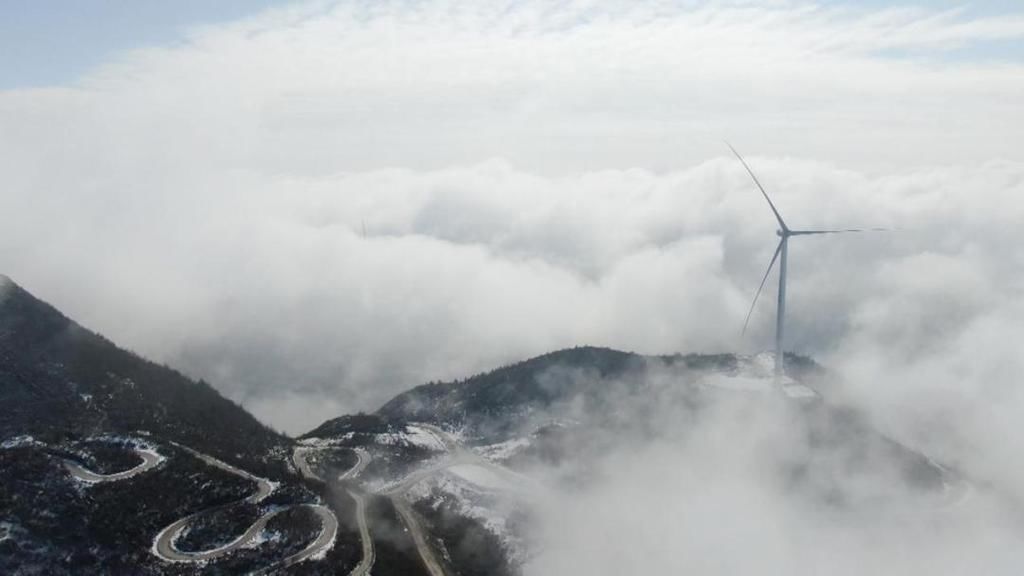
column 53, row 42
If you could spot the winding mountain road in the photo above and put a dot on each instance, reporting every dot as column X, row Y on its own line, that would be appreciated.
column 264, row 487
column 164, row 544
column 363, row 459
column 150, row 459
column 455, row 454
column 419, row 535
column 369, row 553
column 299, row 457
column 462, row 455
column 328, row 532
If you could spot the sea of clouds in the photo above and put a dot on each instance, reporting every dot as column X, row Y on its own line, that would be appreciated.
column 325, row 204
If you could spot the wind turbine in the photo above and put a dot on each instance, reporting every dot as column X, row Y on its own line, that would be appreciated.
column 784, row 233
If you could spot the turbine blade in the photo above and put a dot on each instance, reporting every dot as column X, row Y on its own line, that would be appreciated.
column 761, row 287
column 843, row 231
column 778, row 217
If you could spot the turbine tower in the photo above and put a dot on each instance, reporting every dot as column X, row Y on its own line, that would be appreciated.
column 784, row 233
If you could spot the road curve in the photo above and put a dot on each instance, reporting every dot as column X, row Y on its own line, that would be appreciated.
column 264, row 487
column 328, row 532
column 164, row 544
column 409, row 517
column 363, row 459
column 412, row 522
column 165, row 547
column 301, row 464
column 150, row 459
column 369, row 554
column 457, row 454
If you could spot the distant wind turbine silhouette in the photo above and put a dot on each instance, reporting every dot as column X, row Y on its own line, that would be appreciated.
column 784, row 233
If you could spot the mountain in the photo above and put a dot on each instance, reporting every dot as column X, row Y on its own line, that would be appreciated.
column 111, row 464
column 497, row 403
column 59, row 380
column 469, row 447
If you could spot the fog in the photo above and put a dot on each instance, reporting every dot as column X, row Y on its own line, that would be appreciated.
column 326, row 204
column 715, row 495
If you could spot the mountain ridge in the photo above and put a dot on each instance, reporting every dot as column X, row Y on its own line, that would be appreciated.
column 398, row 491
column 59, row 378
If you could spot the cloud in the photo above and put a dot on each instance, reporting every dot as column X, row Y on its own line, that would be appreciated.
column 325, row 204
column 715, row 493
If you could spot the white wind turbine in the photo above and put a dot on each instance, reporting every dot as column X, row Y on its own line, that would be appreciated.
column 784, row 233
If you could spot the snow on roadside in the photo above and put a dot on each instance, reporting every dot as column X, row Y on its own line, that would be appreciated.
column 316, row 442
column 7, row 530
column 424, row 438
column 262, row 537
column 84, row 476
column 322, row 552
column 490, row 509
column 482, row 477
column 21, row 442
column 738, row 383
column 503, row 450
column 146, row 447
column 757, row 374
column 412, row 436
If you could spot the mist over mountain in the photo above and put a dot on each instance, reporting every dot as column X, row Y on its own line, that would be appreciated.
column 102, row 449
column 131, row 466
column 61, row 380
column 284, row 204
column 591, row 445
column 462, row 288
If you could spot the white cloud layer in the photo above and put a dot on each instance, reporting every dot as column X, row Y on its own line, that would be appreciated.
column 716, row 494
column 323, row 205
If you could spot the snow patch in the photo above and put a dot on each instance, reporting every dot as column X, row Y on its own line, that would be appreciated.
column 762, row 364
column 21, row 442
column 488, row 508
column 481, row 477
column 503, row 450
column 424, row 438
column 6, row 531
column 738, row 383
column 326, row 442
column 412, row 436
column 264, row 536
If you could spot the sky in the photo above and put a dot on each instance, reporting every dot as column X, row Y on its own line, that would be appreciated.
column 315, row 206
column 55, row 42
